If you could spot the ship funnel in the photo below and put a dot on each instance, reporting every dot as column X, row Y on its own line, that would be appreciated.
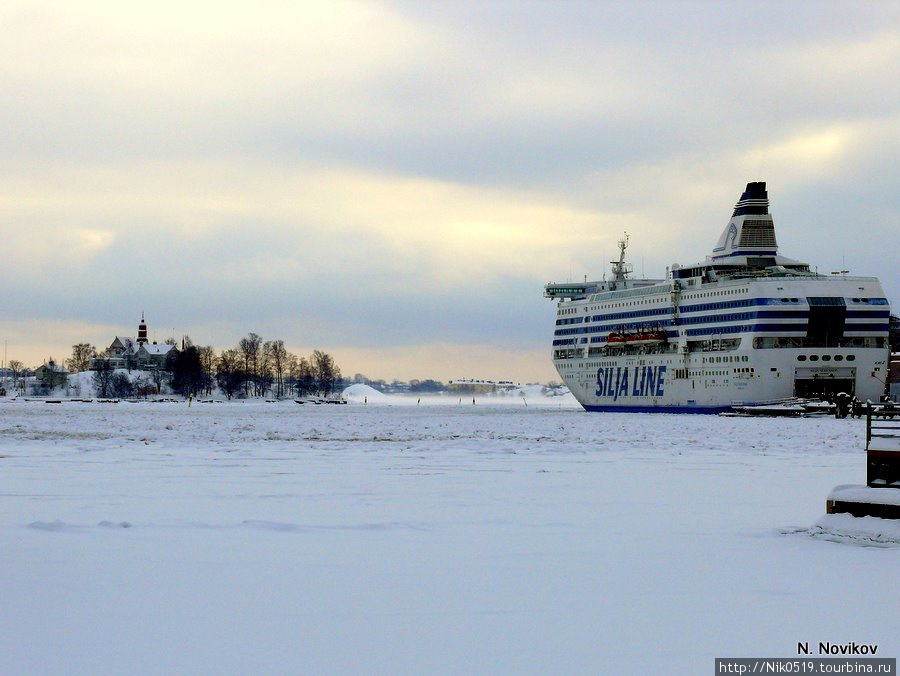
column 750, row 232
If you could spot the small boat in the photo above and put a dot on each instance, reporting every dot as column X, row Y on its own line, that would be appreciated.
column 643, row 338
column 616, row 340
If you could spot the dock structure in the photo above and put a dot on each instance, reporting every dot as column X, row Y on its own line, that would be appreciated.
column 882, row 472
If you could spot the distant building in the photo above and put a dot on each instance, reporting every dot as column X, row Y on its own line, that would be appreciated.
column 50, row 375
column 478, row 386
column 154, row 356
column 138, row 353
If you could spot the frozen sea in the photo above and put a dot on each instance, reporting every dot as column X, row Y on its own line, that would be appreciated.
column 272, row 538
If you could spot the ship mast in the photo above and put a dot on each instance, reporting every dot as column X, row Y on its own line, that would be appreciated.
column 620, row 268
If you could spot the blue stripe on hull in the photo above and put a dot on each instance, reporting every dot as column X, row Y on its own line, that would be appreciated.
column 657, row 409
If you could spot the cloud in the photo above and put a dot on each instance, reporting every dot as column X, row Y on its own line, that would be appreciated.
column 411, row 173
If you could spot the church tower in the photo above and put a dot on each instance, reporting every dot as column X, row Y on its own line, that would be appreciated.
column 142, row 331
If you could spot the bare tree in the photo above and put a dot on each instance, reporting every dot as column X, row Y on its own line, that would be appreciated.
column 304, row 379
column 15, row 366
column 291, row 364
column 157, row 375
column 82, row 353
column 250, row 348
column 276, row 358
column 229, row 373
column 208, row 363
column 103, row 374
column 326, row 372
column 121, row 385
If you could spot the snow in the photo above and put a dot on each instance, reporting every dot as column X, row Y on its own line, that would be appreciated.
column 252, row 537
column 860, row 493
column 524, row 395
column 362, row 393
column 866, row 531
column 885, row 443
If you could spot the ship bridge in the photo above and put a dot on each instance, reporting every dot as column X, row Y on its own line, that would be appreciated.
column 570, row 290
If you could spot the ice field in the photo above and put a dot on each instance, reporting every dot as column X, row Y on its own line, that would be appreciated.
column 272, row 538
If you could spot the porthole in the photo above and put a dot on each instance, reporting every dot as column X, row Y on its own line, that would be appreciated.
column 839, row 357
column 802, row 357
column 851, row 357
column 814, row 357
column 826, row 357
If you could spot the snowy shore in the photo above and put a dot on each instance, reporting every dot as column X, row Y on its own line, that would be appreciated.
column 250, row 538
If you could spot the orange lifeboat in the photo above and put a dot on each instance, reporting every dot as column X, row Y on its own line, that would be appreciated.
column 647, row 338
column 616, row 340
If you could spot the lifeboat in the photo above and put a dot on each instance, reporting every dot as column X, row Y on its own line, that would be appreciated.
column 642, row 338
column 616, row 340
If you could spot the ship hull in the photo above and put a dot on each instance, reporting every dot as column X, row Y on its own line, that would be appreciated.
column 716, row 383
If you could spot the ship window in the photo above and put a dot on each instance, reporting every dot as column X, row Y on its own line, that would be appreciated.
column 851, row 357
column 802, row 357
column 814, row 357
column 826, row 357
column 839, row 357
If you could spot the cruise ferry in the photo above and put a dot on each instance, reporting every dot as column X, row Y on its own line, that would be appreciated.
column 746, row 326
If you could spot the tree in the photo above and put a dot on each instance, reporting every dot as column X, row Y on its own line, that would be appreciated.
column 263, row 380
column 326, row 372
column 16, row 367
column 82, row 353
column 120, row 385
column 208, row 364
column 187, row 372
column 250, row 348
column 103, row 373
column 425, row 386
column 291, row 368
column 304, row 379
column 157, row 375
column 276, row 357
column 143, row 385
column 229, row 373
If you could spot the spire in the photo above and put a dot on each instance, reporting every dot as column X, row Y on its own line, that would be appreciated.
column 142, row 331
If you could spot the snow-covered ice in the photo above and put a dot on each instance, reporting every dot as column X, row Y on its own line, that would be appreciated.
column 272, row 538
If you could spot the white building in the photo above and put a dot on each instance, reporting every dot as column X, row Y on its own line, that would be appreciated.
column 129, row 353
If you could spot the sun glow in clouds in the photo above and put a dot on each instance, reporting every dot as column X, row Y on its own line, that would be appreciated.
column 361, row 173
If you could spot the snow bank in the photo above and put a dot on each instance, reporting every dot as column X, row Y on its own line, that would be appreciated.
column 867, row 531
column 527, row 395
column 360, row 393
column 859, row 493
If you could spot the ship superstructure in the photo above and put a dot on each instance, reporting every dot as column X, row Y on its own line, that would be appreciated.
column 745, row 326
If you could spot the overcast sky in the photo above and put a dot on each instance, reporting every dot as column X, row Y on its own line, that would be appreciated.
column 394, row 182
